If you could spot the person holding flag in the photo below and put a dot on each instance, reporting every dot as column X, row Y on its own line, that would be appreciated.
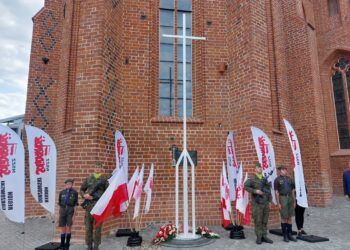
column 91, row 190
column 259, row 187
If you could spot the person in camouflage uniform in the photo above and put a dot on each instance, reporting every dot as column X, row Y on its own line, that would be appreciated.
column 261, row 198
column 285, row 197
column 91, row 190
column 67, row 200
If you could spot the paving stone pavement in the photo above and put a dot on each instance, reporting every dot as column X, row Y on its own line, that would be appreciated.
column 332, row 222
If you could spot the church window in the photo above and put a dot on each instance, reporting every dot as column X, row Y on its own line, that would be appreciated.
column 341, row 92
column 170, row 58
column 333, row 7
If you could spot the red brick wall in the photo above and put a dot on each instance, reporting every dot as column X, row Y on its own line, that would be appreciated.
column 276, row 66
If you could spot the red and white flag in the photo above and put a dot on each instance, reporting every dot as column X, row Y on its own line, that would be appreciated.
column 246, row 203
column 240, row 191
column 300, row 189
column 11, row 175
column 148, row 190
column 232, row 166
column 138, row 191
column 112, row 199
column 225, row 198
column 132, row 183
column 121, row 152
column 42, row 166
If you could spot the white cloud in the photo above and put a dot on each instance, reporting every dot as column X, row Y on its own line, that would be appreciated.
column 12, row 104
column 15, row 41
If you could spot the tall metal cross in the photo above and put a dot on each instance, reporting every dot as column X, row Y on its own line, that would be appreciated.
column 185, row 155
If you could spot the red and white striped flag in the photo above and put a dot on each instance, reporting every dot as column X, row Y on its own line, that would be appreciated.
column 225, row 198
column 148, row 190
column 112, row 199
column 138, row 191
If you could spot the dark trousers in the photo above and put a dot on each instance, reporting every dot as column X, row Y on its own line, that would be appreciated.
column 299, row 216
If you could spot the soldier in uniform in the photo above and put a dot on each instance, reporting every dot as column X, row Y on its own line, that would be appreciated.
column 67, row 200
column 91, row 190
column 285, row 197
column 261, row 198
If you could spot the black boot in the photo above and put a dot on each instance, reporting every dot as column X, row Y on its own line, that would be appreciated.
column 258, row 240
column 89, row 246
column 63, row 238
column 67, row 241
column 266, row 239
column 285, row 232
column 290, row 236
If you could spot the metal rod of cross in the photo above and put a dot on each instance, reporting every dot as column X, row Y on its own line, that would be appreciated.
column 185, row 156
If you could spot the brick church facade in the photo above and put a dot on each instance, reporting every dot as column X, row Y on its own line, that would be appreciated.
column 101, row 65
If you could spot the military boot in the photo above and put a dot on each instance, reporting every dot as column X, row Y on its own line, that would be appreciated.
column 266, row 239
column 258, row 240
column 290, row 236
column 285, row 232
column 89, row 247
column 96, row 247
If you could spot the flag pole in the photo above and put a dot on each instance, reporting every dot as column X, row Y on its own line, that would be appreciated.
column 144, row 205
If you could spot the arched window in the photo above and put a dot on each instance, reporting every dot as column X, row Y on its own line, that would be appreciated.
column 170, row 58
column 333, row 7
column 341, row 91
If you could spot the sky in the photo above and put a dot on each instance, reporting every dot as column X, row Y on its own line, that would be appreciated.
column 15, row 42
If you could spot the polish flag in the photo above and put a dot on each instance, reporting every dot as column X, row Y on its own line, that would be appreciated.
column 225, row 198
column 137, row 192
column 112, row 199
column 240, row 191
column 148, row 190
column 132, row 183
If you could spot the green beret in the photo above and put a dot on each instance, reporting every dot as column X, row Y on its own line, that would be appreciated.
column 69, row 180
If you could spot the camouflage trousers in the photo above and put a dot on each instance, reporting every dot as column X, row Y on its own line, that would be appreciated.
column 260, row 213
column 89, row 229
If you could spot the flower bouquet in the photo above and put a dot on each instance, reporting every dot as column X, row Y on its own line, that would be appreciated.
column 204, row 231
column 166, row 233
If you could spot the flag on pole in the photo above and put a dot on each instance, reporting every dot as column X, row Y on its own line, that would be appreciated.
column 148, row 190
column 225, row 198
column 138, row 191
column 246, row 204
column 121, row 152
column 300, row 189
column 240, row 191
column 12, row 175
column 266, row 156
column 132, row 183
column 112, row 199
column 232, row 166
column 42, row 166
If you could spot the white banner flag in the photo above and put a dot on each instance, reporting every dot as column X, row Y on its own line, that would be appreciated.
column 121, row 152
column 42, row 165
column 300, row 189
column 266, row 156
column 148, row 190
column 225, row 188
column 232, row 166
column 11, row 175
column 138, row 192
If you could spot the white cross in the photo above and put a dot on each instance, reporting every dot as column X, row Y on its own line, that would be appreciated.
column 185, row 155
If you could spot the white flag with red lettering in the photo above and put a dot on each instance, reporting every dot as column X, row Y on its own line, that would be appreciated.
column 148, row 190
column 112, row 199
column 232, row 166
column 266, row 156
column 240, row 191
column 42, row 165
column 121, row 152
column 11, row 175
column 138, row 192
column 300, row 189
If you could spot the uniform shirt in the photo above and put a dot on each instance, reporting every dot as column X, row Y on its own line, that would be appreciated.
column 95, row 185
column 346, row 182
column 256, row 183
column 284, row 185
column 68, row 197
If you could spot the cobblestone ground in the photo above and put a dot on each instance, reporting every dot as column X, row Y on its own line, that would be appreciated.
column 332, row 222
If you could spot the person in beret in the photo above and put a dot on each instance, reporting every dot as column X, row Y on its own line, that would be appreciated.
column 67, row 201
column 285, row 197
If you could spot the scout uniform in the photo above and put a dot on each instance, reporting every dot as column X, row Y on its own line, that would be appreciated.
column 285, row 187
column 95, row 185
column 260, row 205
column 67, row 200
